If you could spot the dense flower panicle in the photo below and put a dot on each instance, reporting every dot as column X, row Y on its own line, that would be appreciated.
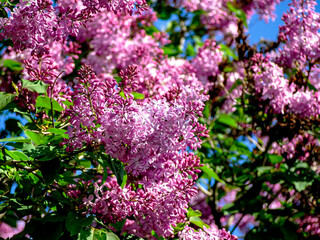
column 49, row 68
column 150, row 138
column 282, row 95
column 114, row 6
column 298, row 147
column 206, row 63
column 168, row 126
column 35, row 24
column 110, row 202
column 310, row 224
column 300, row 34
column 271, row 84
column 117, row 42
column 159, row 77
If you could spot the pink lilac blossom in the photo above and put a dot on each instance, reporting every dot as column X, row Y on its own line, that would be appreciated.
column 310, row 224
column 35, row 24
column 93, row 6
column 283, row 97
column 48, row 68
column 158, row 78
column 7, row 231
column 117, row 43
column 305, row 104
column 298, row 147
column 149, row 138
column 169, row 126
column 227, row 83
column 270, row 83
column 206, row 62
column 218, row 18
column 275, row 197
column 300, row 34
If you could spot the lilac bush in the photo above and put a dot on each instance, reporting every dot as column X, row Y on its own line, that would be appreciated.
column 137, row 133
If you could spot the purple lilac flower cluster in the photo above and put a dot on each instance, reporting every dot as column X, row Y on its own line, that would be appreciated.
column 150, row 138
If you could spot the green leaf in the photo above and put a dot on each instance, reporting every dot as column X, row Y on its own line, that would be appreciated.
column 227, row 207
column 228, row 52
column 239, row 13
column 117, row 169
column 115, row 165
column 5, row 99
column 12, row 155
column 35, row 137
column 42, row 153
column 12, row 65
column 3, row 12
column 154, row 234
column 36, row 86
column 207, row 170
column 228, row 69
column 151, row 30
column 302, row 185
column 45, row 102
column 124, row 180
column 207, row 110
column 198, row 222
column 67, row 103
column 179, row 227
column 17, row 155
column 241, row 148
column 96, row 234
column 197, row 40
column 137, row 95
column 16, row 139
column 112, row 236
column 190, row 50
column 85, row 163
column 311, row 87
column 227, row 120
column 121, row 94
column 59, row 131
column 170, row 50
column 264, row 169
column 192, row 213
column 273, row 158
column 73, row 223
column 119, row 225
column 301, row 165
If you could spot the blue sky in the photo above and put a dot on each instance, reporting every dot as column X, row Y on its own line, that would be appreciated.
column 269, row 31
